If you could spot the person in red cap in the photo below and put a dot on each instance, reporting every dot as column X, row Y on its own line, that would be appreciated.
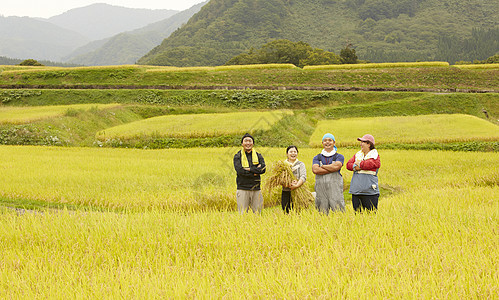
column 364, row 186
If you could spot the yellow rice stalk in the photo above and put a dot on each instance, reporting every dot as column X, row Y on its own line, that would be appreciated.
column 180, row 69
column 280, row 174
column 256, row 66
column 478, row 66
column 222, row 68
column 55, row 69
column 380, row 65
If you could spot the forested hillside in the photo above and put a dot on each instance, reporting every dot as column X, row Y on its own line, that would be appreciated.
column 380, row 30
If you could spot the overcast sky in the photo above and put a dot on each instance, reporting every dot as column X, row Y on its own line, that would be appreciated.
column 50, row 8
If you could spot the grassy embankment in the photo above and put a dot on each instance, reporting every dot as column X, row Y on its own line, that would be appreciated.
column 79, row 127
column 404, row 78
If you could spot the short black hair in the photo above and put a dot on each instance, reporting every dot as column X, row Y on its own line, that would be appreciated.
column 291, row 147
column 371, row 145
column 247, row 135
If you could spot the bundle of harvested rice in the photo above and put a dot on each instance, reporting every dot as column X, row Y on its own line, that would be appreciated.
column 280, row 174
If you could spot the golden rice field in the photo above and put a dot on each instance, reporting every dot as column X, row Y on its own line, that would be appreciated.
column 196, row 178
column 30, row 69
column 21, row 115
column 380, row 65
column 435, row 236
column 33, row 69
column 408, row 129
column 196, row 125
column 478, row 66
column 220, row 68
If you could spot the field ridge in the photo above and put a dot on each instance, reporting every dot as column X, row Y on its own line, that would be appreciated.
column 248, row 87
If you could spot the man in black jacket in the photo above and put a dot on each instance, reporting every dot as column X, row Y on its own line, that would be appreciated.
column 249, row 165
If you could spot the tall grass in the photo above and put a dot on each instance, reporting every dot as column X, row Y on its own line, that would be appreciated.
column 410, row 129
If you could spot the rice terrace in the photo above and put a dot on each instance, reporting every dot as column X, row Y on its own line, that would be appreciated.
column 118, row 182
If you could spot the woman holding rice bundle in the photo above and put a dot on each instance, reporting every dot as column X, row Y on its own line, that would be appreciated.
column 365, row 165
column 299, row 171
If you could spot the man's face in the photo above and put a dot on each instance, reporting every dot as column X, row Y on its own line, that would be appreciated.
column 328, row 144
column 247, row 144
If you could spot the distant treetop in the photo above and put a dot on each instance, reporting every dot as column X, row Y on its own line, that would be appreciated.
column 30, row 62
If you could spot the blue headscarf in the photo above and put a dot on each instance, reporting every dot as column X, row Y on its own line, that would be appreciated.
column 328, row 135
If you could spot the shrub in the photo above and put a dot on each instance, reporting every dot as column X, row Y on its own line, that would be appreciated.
column 30, row 62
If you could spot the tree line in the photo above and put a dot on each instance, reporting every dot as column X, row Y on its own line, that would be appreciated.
column 299, row 54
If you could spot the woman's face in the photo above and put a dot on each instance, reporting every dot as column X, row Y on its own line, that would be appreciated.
column 365, row 146
column 292, row 154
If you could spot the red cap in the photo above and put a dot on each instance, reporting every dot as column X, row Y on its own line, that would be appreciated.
column 366, row 137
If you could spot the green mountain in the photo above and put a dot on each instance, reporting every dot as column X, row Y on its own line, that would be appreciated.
column 128, row 47
column 379, row 30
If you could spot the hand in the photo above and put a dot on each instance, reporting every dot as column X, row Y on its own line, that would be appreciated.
column 357, row 165
column 247, row 169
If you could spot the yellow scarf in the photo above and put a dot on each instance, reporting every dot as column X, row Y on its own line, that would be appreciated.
column 245, row 161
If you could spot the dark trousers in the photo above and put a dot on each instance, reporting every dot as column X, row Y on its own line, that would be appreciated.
column 286, row 201
column 368, row 202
